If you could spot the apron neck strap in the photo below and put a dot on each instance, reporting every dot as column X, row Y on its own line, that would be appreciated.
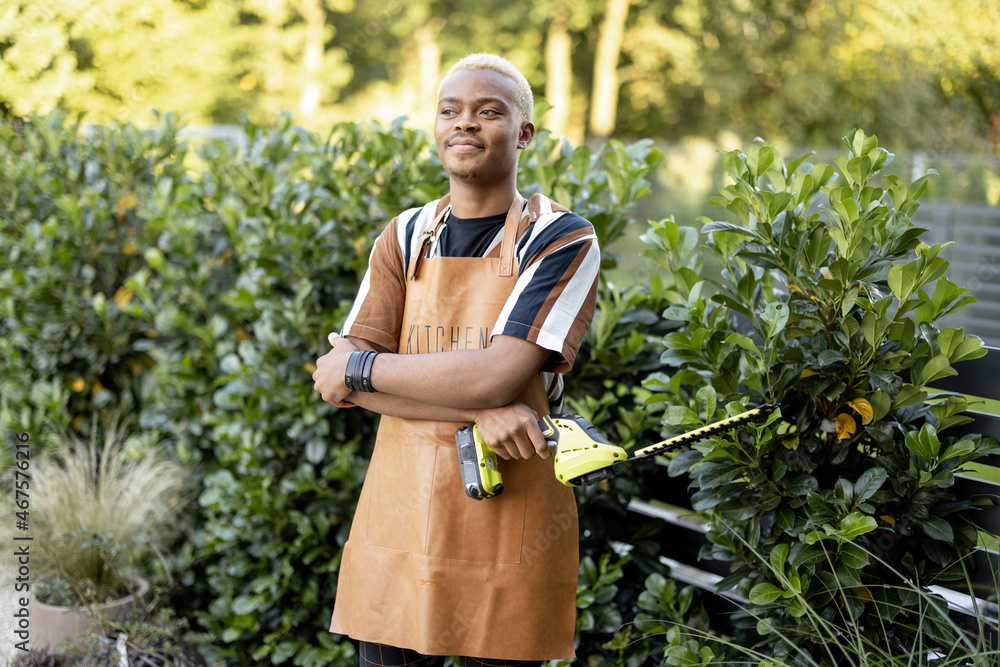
column 426, row 239
column 507, row 242
column 509, row 239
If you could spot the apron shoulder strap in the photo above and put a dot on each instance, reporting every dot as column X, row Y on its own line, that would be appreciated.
column 425, row 240
column 509, row 239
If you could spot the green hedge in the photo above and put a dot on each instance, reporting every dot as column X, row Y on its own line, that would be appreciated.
column 194, row 288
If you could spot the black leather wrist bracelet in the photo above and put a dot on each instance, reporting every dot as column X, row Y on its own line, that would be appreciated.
column 366, row 373
column 347, row 373
column 358, row 374
column 351, row 371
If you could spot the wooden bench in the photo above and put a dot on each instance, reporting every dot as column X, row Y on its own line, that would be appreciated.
column 683, row 531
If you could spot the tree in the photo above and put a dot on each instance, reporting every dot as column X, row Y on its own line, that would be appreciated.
column 925, row 73
column 289, row 57
column 559, row 70
column 604, row 97
column 313, row 50
column 113, row 58
column 807, row 71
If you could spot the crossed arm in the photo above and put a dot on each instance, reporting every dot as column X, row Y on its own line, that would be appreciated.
column 467, row 386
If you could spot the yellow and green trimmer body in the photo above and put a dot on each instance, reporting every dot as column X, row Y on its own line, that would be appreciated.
column 582, row 455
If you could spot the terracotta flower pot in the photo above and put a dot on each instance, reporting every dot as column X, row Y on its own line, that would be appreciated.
column 51, row 625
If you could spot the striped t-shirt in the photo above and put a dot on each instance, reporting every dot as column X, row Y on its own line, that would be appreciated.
column 552, row 303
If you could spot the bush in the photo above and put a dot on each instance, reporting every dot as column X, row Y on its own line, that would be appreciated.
column 829, row 306
column 73, row 337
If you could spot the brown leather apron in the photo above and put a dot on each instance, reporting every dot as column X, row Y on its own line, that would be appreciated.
column 428, row 568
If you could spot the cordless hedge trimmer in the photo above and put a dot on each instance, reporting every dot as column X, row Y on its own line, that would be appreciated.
column 582, row 455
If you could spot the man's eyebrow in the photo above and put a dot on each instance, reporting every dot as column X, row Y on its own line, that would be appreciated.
column 479, row 101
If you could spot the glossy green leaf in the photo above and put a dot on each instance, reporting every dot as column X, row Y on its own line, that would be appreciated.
column 856, row 524
column 868, row 483
column 765, row 593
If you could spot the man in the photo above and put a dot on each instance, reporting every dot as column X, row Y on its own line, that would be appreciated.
column 474, row 304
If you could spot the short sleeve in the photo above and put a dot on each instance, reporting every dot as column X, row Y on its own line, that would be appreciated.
column 554, row 297
column 377, row 313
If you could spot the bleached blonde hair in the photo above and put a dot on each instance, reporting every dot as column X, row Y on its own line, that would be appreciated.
column 523, row 97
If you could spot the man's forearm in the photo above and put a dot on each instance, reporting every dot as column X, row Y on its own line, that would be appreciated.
column 512, row 430
column 408, row 408
column 461, row 379
column 463, row 388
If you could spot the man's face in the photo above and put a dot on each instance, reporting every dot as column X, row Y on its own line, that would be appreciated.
column 477, row 129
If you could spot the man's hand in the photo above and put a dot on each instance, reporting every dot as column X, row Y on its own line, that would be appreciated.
column 512, row 431
column 328, row 378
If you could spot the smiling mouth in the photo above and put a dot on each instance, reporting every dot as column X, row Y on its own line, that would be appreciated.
column 464, row 148
column 465, row 145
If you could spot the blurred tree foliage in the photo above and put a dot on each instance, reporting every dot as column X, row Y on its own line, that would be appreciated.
column 924, row 73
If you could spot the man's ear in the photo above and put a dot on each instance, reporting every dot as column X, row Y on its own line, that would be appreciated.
column 526, row 135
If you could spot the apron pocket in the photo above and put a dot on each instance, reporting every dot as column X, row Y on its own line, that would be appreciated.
column 485, row 530
column 398, row 489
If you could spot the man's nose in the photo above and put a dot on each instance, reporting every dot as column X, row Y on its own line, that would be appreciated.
column 467, row 122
